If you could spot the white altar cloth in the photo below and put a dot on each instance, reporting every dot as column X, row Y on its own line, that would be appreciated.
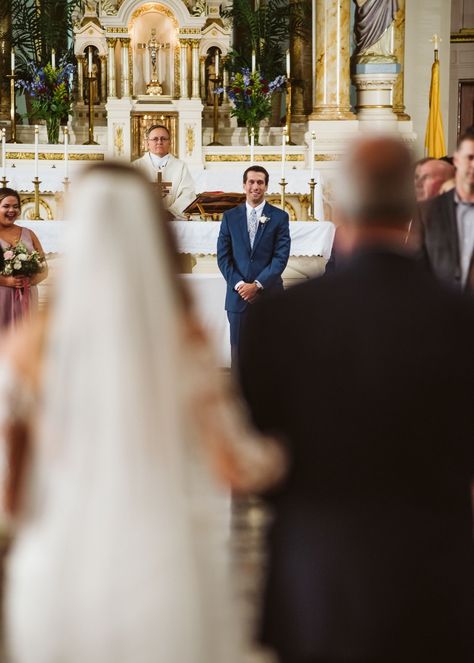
column 208, row 293
column 308, row 238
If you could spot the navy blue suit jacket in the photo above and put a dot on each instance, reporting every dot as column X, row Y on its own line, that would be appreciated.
column 265, row 262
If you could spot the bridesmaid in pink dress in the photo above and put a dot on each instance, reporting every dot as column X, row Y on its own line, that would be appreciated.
column 18, row 294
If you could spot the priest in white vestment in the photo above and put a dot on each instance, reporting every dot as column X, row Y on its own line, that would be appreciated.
column 158, row 159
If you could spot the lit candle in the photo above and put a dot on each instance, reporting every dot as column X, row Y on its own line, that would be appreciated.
column 217, row 64
column 36, row 149
column 283, row 152
column 288, row 71
column 313, row 140
column 4, row 156
column 13, row 60
column 436, row 39
column 254, row 62
column 66, row 152
column 90, row 61
column 53, row 59
column 252, row 144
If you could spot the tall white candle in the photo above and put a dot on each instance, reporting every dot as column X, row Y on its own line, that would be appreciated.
column 4, row 156
column 90, row 61
column 254, row 62
column 288, row 71
column 217, row 64
column 36, row 149
column 66, row 152
column 13, row 60
column 313, row 140
column 283, row 152
column 252, row 144
column 53, row 59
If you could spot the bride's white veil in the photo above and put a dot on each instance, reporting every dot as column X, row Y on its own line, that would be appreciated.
column 115, row 560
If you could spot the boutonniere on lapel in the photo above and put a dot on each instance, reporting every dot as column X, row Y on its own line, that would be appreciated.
column 263, row 219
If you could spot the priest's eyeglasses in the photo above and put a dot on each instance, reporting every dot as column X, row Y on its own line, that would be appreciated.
column 158, row 139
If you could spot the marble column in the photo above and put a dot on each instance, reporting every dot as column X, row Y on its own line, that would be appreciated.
column 195, row 69
column 332, row 61
column 111, row 66
column 119, row 84
column 5, row 47
column 80, row 78
column 183, row 67
column 399, row 52
column 103, row 79
column 125, row 78
column 297, row 47
column 202, row 78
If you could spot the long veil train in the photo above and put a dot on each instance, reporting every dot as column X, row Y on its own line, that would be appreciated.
column 119, row 557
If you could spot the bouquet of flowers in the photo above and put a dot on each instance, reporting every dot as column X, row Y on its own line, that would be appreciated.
column 21, row 262
column 50, row 91
column 251, row 96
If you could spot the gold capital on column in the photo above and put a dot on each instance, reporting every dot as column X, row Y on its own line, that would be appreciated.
column 332, row 61
column 111, row 41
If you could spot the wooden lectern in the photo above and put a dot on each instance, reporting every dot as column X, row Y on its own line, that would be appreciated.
column 211, row 205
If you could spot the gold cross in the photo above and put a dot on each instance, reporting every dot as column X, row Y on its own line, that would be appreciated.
column 162, row 187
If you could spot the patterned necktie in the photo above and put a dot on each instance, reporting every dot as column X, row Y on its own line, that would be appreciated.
column 253, row 224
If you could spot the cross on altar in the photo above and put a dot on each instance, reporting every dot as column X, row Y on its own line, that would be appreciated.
column 162, row 187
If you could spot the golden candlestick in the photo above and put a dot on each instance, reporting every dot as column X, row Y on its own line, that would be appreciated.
column 312, row 184
column 288, row 111
column 283, row 184
column 215, row 117
column 91, row 140
column 13, row 138
column 4, row 182
column 36, row 184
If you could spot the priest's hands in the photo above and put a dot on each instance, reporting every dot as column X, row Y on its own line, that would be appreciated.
column 248, row 291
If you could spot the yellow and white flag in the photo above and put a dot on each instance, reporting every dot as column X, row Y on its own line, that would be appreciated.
column 434, row 138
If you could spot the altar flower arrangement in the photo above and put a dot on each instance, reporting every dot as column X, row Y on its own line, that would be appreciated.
column 251, row 96
column 21, row 262
column 50, row 91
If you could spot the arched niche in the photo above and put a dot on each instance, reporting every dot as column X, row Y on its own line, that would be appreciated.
column 158, row 22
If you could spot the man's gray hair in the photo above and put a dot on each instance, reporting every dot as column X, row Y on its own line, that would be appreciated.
column 375, row 184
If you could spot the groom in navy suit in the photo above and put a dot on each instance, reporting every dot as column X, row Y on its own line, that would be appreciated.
column 252, row 250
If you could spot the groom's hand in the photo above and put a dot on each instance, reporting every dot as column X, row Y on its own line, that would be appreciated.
column 248, row 291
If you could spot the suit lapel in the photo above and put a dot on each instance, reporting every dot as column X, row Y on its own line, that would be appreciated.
column 243, row 226
column 262, row 226
column 453, row 235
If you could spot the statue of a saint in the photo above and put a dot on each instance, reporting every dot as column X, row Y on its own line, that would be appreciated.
column 373, row 30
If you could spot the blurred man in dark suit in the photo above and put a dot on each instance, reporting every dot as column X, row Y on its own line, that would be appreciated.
column 443, row 228
column 371, row 544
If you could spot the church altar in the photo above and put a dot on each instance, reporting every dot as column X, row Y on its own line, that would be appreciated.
column 308, row 241
column 307, row 238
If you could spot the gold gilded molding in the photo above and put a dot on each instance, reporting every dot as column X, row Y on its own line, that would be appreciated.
column 54, row 156
column 327, row 157
column 190, row 31
column 190, row 139
column 258, row 157
column 153, row 7
column 117, row 30
column 118, row 140
column 111, row 41
column 464, row 36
